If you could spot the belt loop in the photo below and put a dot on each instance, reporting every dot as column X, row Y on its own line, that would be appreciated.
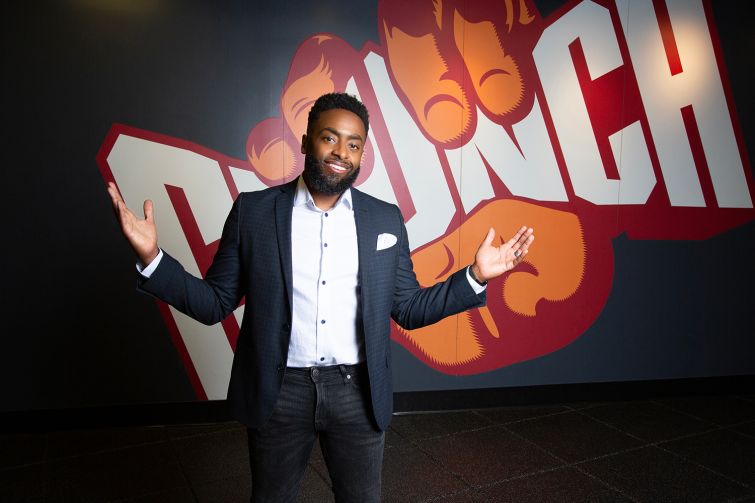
column 346, row 373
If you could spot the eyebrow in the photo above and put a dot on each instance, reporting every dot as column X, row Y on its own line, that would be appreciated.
column 340, row 134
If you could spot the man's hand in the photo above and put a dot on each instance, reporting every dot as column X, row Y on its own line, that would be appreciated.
column 492, row 261
column 140, row 233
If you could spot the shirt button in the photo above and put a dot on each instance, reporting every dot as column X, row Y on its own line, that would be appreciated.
column 326, row 214
column 323, row 282
column 322, row 321
column 322, row 358
column 326, row 245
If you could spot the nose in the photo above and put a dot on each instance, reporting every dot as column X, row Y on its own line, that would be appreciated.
column 340, row 150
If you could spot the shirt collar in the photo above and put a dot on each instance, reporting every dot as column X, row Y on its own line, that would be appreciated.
column 304, row 197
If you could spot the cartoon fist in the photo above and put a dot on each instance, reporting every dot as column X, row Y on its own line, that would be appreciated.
column 552, row 272
column 450, row 57
column 448, row 61
column 321, row 65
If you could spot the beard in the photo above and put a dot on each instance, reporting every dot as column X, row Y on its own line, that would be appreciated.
column 330, row 184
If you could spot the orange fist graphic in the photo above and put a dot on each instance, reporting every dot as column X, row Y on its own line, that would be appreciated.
column 450, row 57
column 552, row 271
column 448, row 61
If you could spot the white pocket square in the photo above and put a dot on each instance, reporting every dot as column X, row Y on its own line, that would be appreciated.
column 385, row 240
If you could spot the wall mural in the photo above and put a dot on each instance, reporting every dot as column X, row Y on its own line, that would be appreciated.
column 605, row 118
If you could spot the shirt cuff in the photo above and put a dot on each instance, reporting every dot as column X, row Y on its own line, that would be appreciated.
column 147, row 271
column 478, row 288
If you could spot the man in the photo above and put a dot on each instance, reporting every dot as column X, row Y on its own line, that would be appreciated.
column 323, row 268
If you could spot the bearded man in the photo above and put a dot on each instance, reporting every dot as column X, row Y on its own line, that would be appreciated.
column 323, row 269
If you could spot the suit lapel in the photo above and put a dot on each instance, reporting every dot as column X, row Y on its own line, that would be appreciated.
column 283, row 213
column 365, row 241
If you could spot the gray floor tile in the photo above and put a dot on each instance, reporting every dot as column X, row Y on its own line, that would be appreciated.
column 584, row 405
column 239, row 489
column 649, row 421
column 411, row 475
column 231, row 490
column 314, row 489
column 22, row 484
column 651, row 474
column 556, row 486
column 317, row 462
column 466, row 496
column 393, row 439
column 182, row 494
column 77, row 442
column 194, row 430
column 488, row 455
column 504, row 415
column 573, row 436
column 215, row 456
column 747, row 428
column 113, row 475
column 22, row 449
column 721, row 410
column 427, row 425
column 727, row 452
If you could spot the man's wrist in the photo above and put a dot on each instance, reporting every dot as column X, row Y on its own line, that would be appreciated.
column 147, row 270
column 475, row 277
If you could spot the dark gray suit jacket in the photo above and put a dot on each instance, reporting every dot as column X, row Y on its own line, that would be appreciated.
column 254, row 261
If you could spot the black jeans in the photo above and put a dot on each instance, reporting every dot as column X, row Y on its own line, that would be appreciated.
column 329, row 402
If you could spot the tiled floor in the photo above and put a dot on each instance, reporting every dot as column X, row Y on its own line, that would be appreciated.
column 692, row 449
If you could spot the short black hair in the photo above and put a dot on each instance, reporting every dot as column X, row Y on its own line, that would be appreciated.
column 338, row 100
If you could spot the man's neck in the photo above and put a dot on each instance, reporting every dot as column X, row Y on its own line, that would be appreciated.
column 324, row 201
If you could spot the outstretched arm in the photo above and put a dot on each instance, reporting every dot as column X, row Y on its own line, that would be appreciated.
column 492, row 261
column 140, row 233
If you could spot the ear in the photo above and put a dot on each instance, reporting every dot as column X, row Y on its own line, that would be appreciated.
column 303, row 144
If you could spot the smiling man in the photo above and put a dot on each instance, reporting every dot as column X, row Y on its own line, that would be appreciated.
column 323, row 268
column 332, row 151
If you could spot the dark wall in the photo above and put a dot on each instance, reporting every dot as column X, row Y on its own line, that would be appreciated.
column 75, row 331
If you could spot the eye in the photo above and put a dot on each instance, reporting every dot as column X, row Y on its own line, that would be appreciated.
column 328, row 139
column 354, row 146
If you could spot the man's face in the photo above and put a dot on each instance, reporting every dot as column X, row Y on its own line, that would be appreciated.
column 333, row 151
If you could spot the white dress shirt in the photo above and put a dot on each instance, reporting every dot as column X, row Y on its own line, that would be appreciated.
column 325, row 260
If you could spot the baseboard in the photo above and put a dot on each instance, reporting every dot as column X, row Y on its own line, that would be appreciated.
column 415, row 401
column 213, row 411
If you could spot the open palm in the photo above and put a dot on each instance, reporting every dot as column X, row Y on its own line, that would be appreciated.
column 492, row 261
column 141, row 233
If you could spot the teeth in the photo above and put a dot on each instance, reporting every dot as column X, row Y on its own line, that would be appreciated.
column 336, row 167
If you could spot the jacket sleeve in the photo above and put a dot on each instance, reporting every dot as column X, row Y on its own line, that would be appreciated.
column 207, row 300
column 414, row 306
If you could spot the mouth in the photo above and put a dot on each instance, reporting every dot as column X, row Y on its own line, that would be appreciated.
column 337, row 166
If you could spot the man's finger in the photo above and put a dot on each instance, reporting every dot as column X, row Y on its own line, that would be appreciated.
column 148, row 214
column 114, row 195
column 488, row 241
column 526, row 236
column 511, row 242
column 525, row 241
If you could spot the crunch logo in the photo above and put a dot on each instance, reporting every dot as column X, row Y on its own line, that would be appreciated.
column 605, row 118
